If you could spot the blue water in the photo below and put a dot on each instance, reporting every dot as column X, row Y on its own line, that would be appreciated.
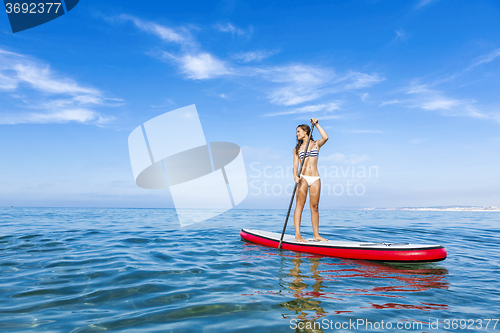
column 136, row 270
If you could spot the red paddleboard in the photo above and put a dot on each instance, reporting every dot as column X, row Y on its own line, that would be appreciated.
column 398, row 252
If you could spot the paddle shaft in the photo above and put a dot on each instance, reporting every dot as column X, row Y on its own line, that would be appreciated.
column 295, row 187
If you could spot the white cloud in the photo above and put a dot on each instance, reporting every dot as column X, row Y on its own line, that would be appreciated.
column 258, row 55
column 418, row 89
column 471, row 111
column 309, row 108
column 180, row 35
column 16, row 70
column 194, row 63
column 291, row 84
column 362, row 80
column 299, row 74
column 298, row 83
column 228, row 27
column 394, row 101
column 37, row 86
column 93, row 99
column 42, row 79
column 59, row 117
column 292, row 95
column 201, row 66
column 434, row 100
column 424, row 96
column 319, row 107
column 430, row 99
column 301, row 83
column 440, row 104
column 486, row 59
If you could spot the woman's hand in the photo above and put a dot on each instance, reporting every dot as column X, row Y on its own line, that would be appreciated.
column 297, row 179
column 314, row 121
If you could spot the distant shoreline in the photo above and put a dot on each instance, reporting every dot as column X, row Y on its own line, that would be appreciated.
column 443, row 209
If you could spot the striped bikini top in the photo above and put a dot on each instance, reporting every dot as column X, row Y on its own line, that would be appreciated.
column 310, row 153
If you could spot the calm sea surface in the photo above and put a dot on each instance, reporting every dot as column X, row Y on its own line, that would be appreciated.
column 137, row 270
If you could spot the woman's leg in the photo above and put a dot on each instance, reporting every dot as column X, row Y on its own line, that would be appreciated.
column 314, row 192
column 299, row 207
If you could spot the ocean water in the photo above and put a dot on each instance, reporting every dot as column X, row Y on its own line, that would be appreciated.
column 137, row 270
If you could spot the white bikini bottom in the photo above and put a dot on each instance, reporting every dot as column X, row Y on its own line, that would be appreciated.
column 310, row 179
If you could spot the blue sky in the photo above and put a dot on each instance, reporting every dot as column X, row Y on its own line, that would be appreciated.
column 405, row 89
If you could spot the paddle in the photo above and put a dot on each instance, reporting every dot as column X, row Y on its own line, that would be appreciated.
column 295, row 188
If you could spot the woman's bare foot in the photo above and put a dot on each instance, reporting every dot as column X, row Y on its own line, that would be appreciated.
column 319, row 239
column 300, row 239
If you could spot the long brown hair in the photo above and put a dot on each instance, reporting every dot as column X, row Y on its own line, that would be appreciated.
column 307, row 129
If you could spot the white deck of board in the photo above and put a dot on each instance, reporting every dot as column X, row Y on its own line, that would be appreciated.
column 372, row 245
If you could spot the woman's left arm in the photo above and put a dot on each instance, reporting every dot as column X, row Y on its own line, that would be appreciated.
column 324, row 136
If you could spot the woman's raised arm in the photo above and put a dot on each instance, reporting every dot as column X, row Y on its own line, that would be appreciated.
column 324, row 136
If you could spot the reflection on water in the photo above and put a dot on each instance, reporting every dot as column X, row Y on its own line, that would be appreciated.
column 304, row 305
column 312, row 279
column 404, row 277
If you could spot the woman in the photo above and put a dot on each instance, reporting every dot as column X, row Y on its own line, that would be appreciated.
column 309, row 178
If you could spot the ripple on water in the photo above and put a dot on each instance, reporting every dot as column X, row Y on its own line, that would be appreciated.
column 136, row 270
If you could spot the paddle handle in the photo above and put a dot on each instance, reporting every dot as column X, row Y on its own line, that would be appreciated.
column 295, row 187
